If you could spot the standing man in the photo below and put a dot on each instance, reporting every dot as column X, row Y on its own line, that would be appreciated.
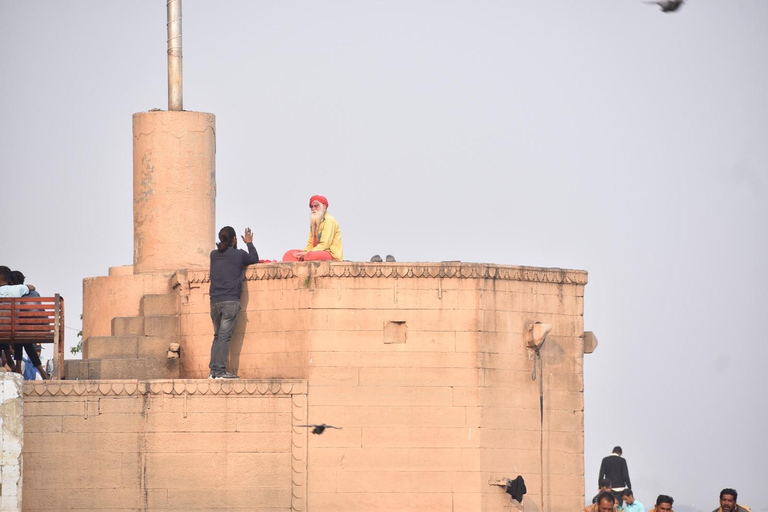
column 614, row 468
column 728, row 503
column 630, row 503
column 227, row 265
column 324, row 241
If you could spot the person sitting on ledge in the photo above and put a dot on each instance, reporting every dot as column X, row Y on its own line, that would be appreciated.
column 324, row 242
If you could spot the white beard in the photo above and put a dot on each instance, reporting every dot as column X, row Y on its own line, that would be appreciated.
column 315, row 218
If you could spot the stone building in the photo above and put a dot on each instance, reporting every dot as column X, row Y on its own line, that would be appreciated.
column 446, row 378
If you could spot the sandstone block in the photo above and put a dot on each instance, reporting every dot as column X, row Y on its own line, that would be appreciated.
column 374, row 502
column 141, row 369
column 465, row 396
column 159, row 304
column 399, row 416
column 396, row 359
column 381, row 396
column 467, row 502
column 76, row 369
column 323, row 481
column 79, row 443
column 421, row 437
column 97, row 470
column 185, row 470
column 348, row 437
column 338, row 376
column 111, row 347
column 258, row 499
column 43, row 424
column 373, row 341
column 54, row 409
column 128, row 326
column 105, row 423
column 521, row 380
column 396, row 459
column 528, row 461
column 218, row 442
column 410, row 377
column 403, row 481
column 154, row 347
column 161, row 325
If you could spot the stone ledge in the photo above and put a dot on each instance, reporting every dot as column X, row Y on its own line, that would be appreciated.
column 286, row 387
column 268, row 271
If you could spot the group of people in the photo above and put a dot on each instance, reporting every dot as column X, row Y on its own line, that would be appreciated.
column 616, row 491
column 228, row 263
column 32, row 367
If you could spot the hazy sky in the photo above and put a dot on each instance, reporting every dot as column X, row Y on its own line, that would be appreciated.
column 596, row 135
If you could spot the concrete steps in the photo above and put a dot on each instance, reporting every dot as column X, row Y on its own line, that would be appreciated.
column 138, row 347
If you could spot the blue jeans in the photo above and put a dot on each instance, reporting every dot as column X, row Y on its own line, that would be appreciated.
column 224, row 316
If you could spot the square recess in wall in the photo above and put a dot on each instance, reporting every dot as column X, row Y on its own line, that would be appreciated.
column 395, row 331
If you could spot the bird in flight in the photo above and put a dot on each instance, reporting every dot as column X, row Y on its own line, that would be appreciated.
column 667, row 5
column 319, row 429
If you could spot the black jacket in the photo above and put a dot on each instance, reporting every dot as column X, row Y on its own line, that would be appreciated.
column 614, row 468
column 227, row 272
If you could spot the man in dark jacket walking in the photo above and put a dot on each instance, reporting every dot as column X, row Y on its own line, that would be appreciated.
column 227, row 264
column 614, row 468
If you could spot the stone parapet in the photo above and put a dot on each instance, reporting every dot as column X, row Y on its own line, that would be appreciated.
column 417, row 270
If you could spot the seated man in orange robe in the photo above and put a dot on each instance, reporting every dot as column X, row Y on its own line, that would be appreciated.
column 324, row 241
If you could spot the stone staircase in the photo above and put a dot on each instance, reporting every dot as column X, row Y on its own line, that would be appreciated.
column 138, row 347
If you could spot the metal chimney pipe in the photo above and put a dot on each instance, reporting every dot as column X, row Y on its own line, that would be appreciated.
column 175, row 101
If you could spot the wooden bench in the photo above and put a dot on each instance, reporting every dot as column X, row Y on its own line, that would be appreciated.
column 34, row 320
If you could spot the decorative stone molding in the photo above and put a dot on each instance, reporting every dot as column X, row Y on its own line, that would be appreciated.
column 285, row 387
column 269, row 271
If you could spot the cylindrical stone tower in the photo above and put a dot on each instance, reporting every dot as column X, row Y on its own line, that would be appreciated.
column 174, row 190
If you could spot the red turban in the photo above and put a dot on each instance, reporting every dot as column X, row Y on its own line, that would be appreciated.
column 318, row 198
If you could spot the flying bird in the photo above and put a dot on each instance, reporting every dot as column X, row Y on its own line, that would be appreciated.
column 319, row 429
column 667, row 5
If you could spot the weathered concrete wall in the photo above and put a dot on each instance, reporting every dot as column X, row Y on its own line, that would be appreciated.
column 165, row 445
column 11, row 440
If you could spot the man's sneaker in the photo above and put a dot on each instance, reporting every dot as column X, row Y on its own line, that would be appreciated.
column 226, row 375
column 390, row 258
column 211, row 376
column 376, row 259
